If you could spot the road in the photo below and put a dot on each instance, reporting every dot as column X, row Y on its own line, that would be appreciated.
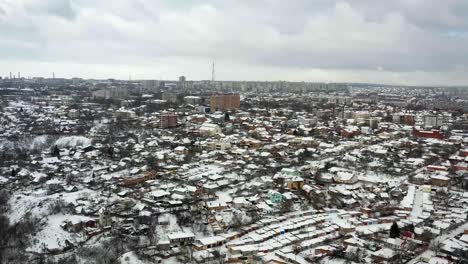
column 417, row 204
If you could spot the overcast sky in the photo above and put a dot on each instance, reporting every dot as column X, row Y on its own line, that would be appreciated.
column 415, row 42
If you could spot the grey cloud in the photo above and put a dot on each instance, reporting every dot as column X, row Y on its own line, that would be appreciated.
column 60, row 8
column 305, row 35
column 435, row 14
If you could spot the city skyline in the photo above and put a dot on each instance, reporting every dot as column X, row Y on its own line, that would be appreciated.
column 402, row 42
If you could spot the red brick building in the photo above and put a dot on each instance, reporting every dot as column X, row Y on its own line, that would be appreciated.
column 168, row 120
column 224, row 102
column 428, row 134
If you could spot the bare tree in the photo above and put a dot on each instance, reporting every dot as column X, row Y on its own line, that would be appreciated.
column 286, row 206
column 435, row 246
column 152, row 234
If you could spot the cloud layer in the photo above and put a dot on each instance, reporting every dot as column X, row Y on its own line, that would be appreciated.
column 401, row 42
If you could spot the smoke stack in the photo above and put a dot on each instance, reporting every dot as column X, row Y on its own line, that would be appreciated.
column 19, row 75
column 10, row 75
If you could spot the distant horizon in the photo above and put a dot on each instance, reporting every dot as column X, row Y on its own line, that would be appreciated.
column 266, row 81
column 422, row 43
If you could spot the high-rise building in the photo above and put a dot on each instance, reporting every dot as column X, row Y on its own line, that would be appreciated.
column 433, row 121
column 404, row 118
column 111, row 92
column 169, row 96
column 168, row 120
column 193, row 100
column 149, row 85
column 181, row 83
column 224, row 102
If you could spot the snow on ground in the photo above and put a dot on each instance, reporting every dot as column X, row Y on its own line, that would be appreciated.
column 172, row 260
column 417, row 205
column 37, row 203
column 372, row 176
column 37, row 176
column 6, row 144
column 21, row 204
column 205, row 170
column 72, row 197
column 3, row 179
column 73, row 141
column 226, row 217
column 370, row 229
column 116, row 174
column 163, row 230
column 441, row 238
column 53, row 236
column 131, row 258
column 224, row 197
column 27, row 142
column 408, row 200
column 18, row 104
column 328, row 260
column 39, row 142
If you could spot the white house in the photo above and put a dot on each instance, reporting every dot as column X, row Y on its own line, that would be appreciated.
column 209, row 129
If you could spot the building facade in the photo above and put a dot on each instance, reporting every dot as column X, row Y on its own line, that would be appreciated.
column 168, row 120
column 170, row 97
column 433, row 121
column 224, row 102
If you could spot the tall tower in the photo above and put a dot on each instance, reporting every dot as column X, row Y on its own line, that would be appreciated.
column 213, row 73
column 181, row 83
